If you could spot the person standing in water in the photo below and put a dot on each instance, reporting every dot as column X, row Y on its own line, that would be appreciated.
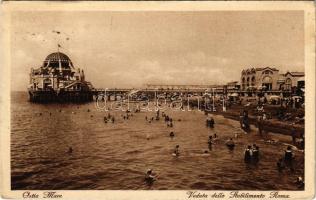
column 248, row 153
column 149, row 177
column 255, row 153
column 176, row 151
column 212, row 122
column 288, row 157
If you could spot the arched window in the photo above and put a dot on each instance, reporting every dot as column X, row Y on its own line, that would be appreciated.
column 253, row 79
column 267, row 72
column 267, row 83
column 247, row 79
column 243, row 79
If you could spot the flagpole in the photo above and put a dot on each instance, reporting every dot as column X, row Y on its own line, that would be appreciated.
column 59, row 61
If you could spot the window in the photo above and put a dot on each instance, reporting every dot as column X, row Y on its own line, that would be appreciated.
column 267, row 72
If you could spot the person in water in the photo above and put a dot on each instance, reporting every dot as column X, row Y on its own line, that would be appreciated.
column 149, row 177
column 177, row 151
column 255, row 153
column 171, row 124
column 171, row 134
column 210, row 140
column 288, row 157
column 230, row 143
column 248, row 154
column 299, row 182
column 212, row 122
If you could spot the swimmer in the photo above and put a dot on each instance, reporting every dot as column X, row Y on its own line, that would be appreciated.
column 230, row 143
column 176, row 151
column 149, row 177
column 171, row 134
column 88, row 110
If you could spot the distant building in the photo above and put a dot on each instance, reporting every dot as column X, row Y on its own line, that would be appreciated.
column 257, row 78
column 57, row 79
column 269, row 79
column 293, row 79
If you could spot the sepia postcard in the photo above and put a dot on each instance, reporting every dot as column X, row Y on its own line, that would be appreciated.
column 157, row 100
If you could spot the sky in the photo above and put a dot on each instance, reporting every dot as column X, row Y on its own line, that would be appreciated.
column 131, row 49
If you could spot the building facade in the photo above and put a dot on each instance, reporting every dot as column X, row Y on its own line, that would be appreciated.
column 57, row 79
column 269, row 79
column 57, row 72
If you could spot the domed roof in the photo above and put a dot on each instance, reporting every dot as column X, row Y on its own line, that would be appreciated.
column 53, row 58
column 56, row 56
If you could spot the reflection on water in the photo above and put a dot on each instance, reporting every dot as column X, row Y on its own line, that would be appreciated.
column 116, row 156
